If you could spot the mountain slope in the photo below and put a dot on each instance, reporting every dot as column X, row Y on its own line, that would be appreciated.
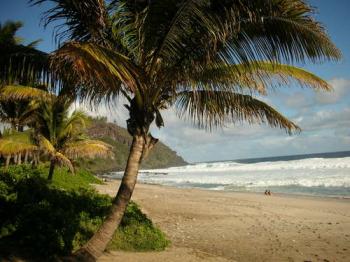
column 160, row 157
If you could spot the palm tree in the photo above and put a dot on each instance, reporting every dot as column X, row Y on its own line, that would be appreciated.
column 57, row 133
column 208, row 59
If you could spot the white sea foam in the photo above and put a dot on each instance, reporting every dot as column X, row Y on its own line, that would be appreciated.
column 310, row 163
column 332, row 174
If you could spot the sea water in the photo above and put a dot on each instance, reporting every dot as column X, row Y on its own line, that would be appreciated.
column 316, row 174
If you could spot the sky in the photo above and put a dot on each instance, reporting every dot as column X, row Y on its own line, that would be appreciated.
column 323, row 117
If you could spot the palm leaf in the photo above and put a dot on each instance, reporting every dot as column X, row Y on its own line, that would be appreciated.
column 209, row 109
column 88, row 148
column 71, row 127
column 126, row 31
column 83, row 20
column 279, row 31
column 63, row 160
column 16, row 142
column 257, row 76
column 169, row 34
column 18, row 92
column 97, row 70
column 20, row 63
column 46, row 146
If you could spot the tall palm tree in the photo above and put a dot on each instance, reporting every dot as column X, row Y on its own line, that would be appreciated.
column 208, row 59
column 57, row 133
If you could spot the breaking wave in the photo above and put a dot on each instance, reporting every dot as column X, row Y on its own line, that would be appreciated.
column 317, row 176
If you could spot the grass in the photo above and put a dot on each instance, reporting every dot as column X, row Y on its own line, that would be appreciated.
column 40, row 220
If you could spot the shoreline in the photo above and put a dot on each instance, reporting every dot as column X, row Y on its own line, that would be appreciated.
column 291, row 195
column 206, row 225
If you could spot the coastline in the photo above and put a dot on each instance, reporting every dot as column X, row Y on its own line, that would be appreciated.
column 289, row 195
column 207, row 225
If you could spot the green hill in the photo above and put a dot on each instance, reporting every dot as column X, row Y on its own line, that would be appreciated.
column 160, row 157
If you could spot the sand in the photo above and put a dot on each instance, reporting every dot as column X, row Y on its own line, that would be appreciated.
column 227, row 226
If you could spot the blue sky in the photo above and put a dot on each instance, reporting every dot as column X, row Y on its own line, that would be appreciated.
column 324, row 118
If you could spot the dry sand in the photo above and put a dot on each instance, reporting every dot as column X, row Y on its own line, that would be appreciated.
column 225, row 226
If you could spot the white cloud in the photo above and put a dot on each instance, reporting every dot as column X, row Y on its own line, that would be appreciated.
column 341, row 88
column 325, row 119
column 298, row 100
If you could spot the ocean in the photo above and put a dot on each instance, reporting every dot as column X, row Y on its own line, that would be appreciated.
column 326, row 174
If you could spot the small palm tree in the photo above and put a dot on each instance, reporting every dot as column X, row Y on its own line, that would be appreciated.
column 57, row 133
column 207, row 59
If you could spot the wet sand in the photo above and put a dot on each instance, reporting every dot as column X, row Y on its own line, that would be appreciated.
column 227, row 226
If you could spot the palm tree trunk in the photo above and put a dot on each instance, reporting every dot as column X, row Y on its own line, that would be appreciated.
column 33, row 160
column 26, row 157
column 19, row 159
column 52, row 168
column 97, row 244
column 8, row 159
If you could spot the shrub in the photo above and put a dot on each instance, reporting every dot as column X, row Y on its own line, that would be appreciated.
column 137, row 233
column 42, row 219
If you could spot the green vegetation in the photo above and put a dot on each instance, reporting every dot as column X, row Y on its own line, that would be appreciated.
column 119, row 138
column 137, row 233
column 211, row 61
column 41, row 219
column 54, row 131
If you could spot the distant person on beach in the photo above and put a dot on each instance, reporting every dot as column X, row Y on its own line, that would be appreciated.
column 267, row 192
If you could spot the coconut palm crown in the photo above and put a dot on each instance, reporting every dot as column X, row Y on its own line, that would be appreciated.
column 207, row 59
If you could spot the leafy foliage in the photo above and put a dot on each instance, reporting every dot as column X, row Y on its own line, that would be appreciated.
column 14, row 142
column 41, row 220
column 152, row 51
column 20, row 63
column 137, row 233
column 55, row 131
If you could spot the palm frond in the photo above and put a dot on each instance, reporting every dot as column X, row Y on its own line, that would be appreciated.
column 88, row 148
column 63, row 160
column 237, row 32
column 209, row 109
column 18, row 92
column 46, row 146
column 278, row 31
column 18, row 62
column 17, row 142
column 82, row 20
column 256, row 76
column 8, row 32
column 165, row 36
column 126, row 24
column 71, row 127
column 96, row 70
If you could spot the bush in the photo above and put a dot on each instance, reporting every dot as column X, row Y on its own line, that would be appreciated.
column 41, row 219
column 137, row 233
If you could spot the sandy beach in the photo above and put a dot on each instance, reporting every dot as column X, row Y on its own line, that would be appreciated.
column 226, row 226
